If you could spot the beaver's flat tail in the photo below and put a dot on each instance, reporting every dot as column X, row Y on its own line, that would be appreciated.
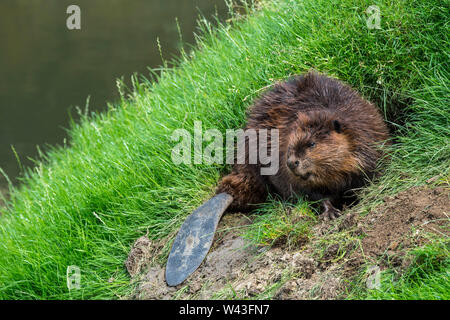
column 193, row 241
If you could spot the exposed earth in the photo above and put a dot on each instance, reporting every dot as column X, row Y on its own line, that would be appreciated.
column 352, row 247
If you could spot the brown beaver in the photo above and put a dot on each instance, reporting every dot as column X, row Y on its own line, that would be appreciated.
column 329, row 139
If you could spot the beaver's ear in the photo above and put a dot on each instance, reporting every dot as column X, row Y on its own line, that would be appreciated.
column 337, row 126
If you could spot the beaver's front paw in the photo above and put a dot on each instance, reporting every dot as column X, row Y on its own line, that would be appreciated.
column 329, row 212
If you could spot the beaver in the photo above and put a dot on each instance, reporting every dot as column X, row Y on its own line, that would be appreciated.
column 329, row 145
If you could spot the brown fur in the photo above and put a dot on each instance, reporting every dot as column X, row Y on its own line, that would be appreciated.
column 345, row 128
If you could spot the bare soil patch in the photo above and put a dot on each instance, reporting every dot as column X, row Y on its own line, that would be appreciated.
column 403, row 221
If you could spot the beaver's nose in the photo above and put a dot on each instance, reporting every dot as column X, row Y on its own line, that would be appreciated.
column 292, row 164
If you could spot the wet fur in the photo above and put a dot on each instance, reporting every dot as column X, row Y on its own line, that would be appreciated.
column 346, row 128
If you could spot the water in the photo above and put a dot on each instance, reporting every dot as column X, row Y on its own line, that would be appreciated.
column 46, row 69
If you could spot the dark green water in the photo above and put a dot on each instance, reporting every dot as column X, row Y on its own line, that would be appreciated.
column 46, row 69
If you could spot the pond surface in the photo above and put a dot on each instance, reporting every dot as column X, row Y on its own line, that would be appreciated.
column 46, row 70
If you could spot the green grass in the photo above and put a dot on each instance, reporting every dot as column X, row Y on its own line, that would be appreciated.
column 86, row 202
column 281, row 223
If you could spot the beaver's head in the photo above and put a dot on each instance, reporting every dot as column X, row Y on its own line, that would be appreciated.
column 320, row 150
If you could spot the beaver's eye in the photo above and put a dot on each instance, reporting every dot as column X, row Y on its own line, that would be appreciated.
column 311, row 144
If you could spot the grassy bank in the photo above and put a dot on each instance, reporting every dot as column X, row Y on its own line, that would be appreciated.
column 86, row 202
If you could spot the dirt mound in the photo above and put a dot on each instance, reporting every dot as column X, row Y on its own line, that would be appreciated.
column 318, row 269
column 402, row 222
